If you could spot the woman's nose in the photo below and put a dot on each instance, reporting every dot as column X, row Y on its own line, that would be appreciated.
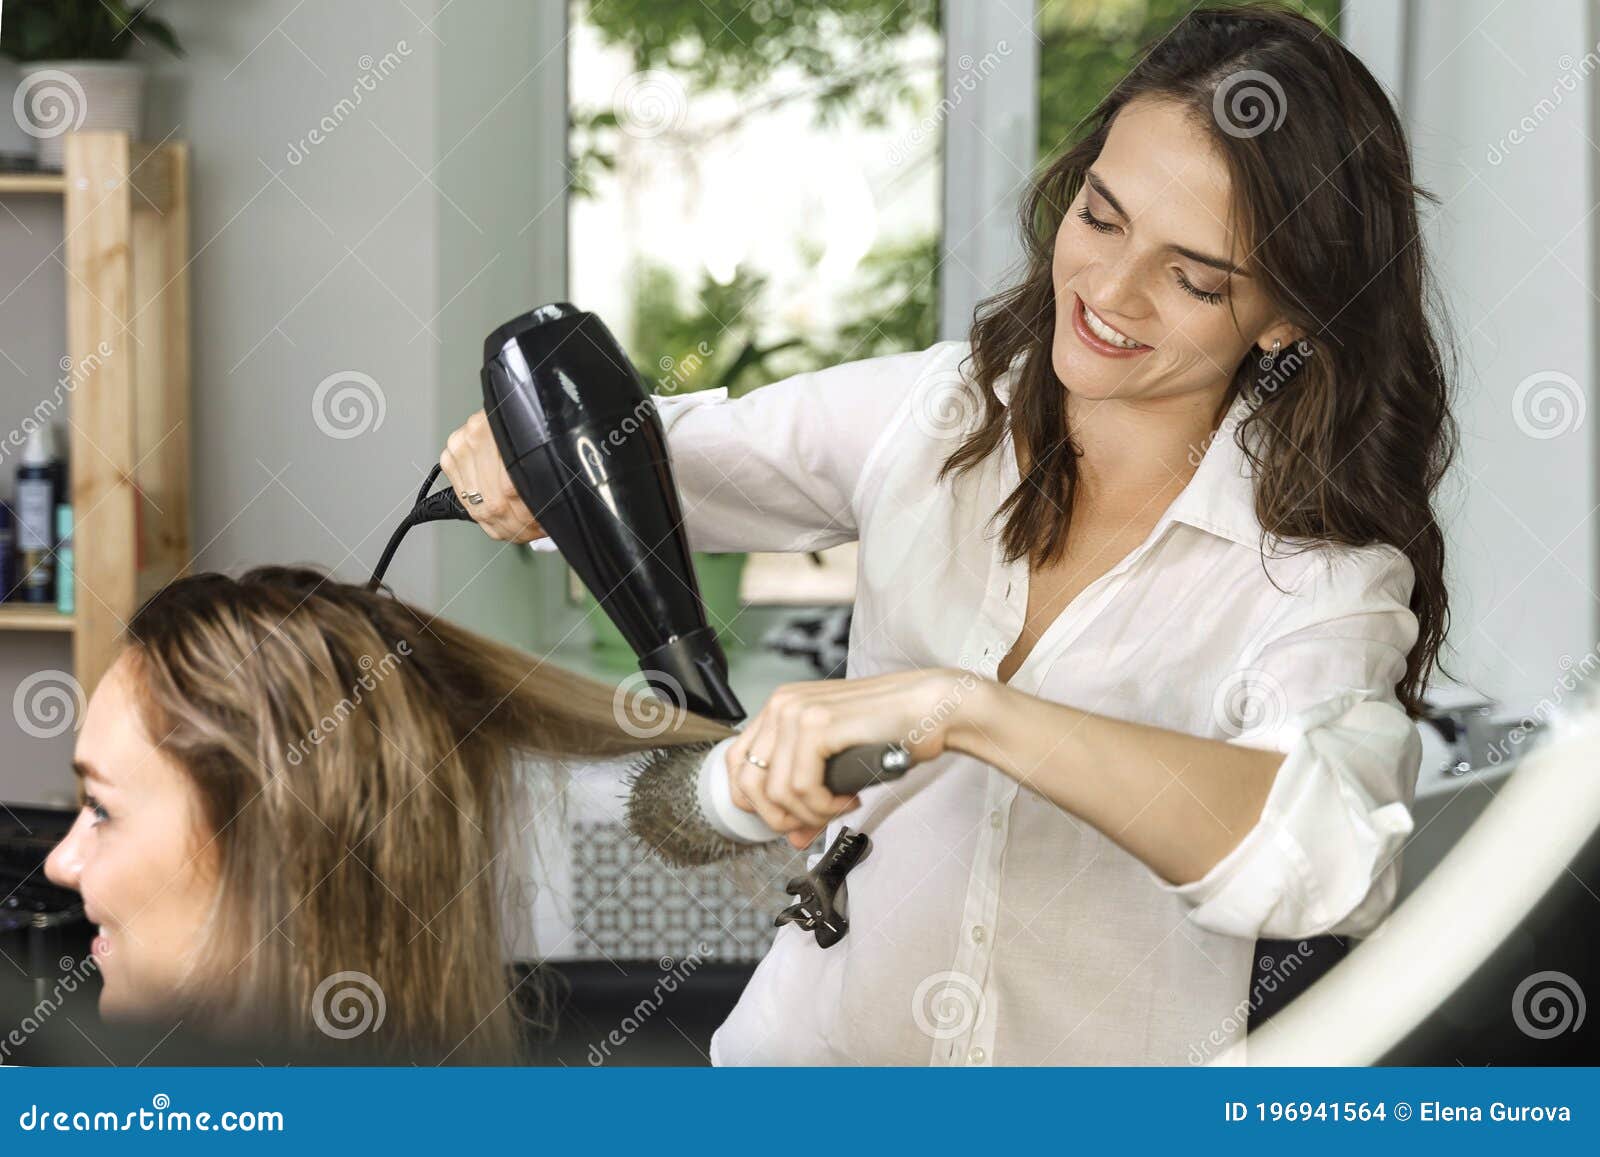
column 1120, row 288
column 64, row 865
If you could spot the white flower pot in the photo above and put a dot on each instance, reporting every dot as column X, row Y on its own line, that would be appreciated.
column 57, row 97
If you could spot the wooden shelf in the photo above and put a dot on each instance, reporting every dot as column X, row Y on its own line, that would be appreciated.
column 33, row 183
column 125, row 218
column 34, row 617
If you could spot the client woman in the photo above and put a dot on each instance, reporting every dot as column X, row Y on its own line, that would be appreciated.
column 297, row 801
column 1149, row 579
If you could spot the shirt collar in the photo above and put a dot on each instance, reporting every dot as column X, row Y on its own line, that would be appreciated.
column 1221, row 497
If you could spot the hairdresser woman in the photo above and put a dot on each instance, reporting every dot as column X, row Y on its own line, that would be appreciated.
column 1149, row 582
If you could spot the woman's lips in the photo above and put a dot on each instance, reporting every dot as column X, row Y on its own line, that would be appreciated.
column 100, row 946
column 1086, row 335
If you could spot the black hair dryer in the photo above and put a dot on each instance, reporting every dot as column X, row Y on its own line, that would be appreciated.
column 585, row 448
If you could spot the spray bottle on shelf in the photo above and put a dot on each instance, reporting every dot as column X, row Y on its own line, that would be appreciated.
column 37, row 478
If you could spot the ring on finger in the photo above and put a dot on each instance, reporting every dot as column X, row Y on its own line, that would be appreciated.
column 761, row 763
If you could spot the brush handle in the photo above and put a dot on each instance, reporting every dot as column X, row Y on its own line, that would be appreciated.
column 845, row 774
column 857, row 767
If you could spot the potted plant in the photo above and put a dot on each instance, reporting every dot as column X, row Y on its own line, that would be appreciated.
column 75, row 71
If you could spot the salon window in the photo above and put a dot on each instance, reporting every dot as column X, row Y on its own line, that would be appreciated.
column 1085, row 46
column 771, row 208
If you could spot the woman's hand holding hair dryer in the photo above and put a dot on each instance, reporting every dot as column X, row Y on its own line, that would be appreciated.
column 471, row 461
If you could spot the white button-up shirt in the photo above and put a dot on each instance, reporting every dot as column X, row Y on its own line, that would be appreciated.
column 988, row 925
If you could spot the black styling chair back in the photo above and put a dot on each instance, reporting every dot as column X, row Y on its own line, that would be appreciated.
column 1284, row 969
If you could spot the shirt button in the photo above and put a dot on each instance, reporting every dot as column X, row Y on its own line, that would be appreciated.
column 977, row 1054
column 977, row 933
column 996, row 819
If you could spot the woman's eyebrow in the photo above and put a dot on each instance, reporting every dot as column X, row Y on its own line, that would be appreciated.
column 1215, row 262
column 85, row 772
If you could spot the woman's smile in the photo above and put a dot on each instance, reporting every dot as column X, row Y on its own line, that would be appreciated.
column 1101, row 337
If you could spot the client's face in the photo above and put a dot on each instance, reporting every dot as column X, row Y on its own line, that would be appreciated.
column 137, row 853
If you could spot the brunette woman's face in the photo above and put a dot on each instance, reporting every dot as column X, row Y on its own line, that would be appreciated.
column 1147, row 248
column 137, row 853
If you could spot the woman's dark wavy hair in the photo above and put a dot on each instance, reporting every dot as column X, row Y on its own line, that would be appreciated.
column 1352, row 447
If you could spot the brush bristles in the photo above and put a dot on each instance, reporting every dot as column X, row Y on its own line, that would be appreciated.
column 664, row 808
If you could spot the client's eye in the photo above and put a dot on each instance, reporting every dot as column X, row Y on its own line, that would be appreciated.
column 96, row 809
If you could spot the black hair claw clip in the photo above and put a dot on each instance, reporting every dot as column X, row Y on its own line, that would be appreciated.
column 818, row 892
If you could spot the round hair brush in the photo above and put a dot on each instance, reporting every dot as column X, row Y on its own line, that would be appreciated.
column 680, row 803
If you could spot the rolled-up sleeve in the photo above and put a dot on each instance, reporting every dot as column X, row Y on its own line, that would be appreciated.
column 1325, row 854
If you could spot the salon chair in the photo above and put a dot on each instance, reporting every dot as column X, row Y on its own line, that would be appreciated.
column 1284, row 969
column 39, row 922
column 592, row 998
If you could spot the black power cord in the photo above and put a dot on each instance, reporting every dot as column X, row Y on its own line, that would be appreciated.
column 439, row 506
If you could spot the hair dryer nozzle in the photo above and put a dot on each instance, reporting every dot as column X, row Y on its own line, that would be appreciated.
column 690, row 671
column 586, row 450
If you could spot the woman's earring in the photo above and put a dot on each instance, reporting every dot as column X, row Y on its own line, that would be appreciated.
column 1275, row 371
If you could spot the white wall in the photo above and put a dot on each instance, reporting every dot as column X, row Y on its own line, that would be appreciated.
column 306, row 270
column 1514, row 245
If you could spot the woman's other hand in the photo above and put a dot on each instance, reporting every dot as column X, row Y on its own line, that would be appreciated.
column 471, row 461
column 802, row 724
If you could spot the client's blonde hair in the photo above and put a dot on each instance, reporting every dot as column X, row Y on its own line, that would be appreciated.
column 354, row 758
